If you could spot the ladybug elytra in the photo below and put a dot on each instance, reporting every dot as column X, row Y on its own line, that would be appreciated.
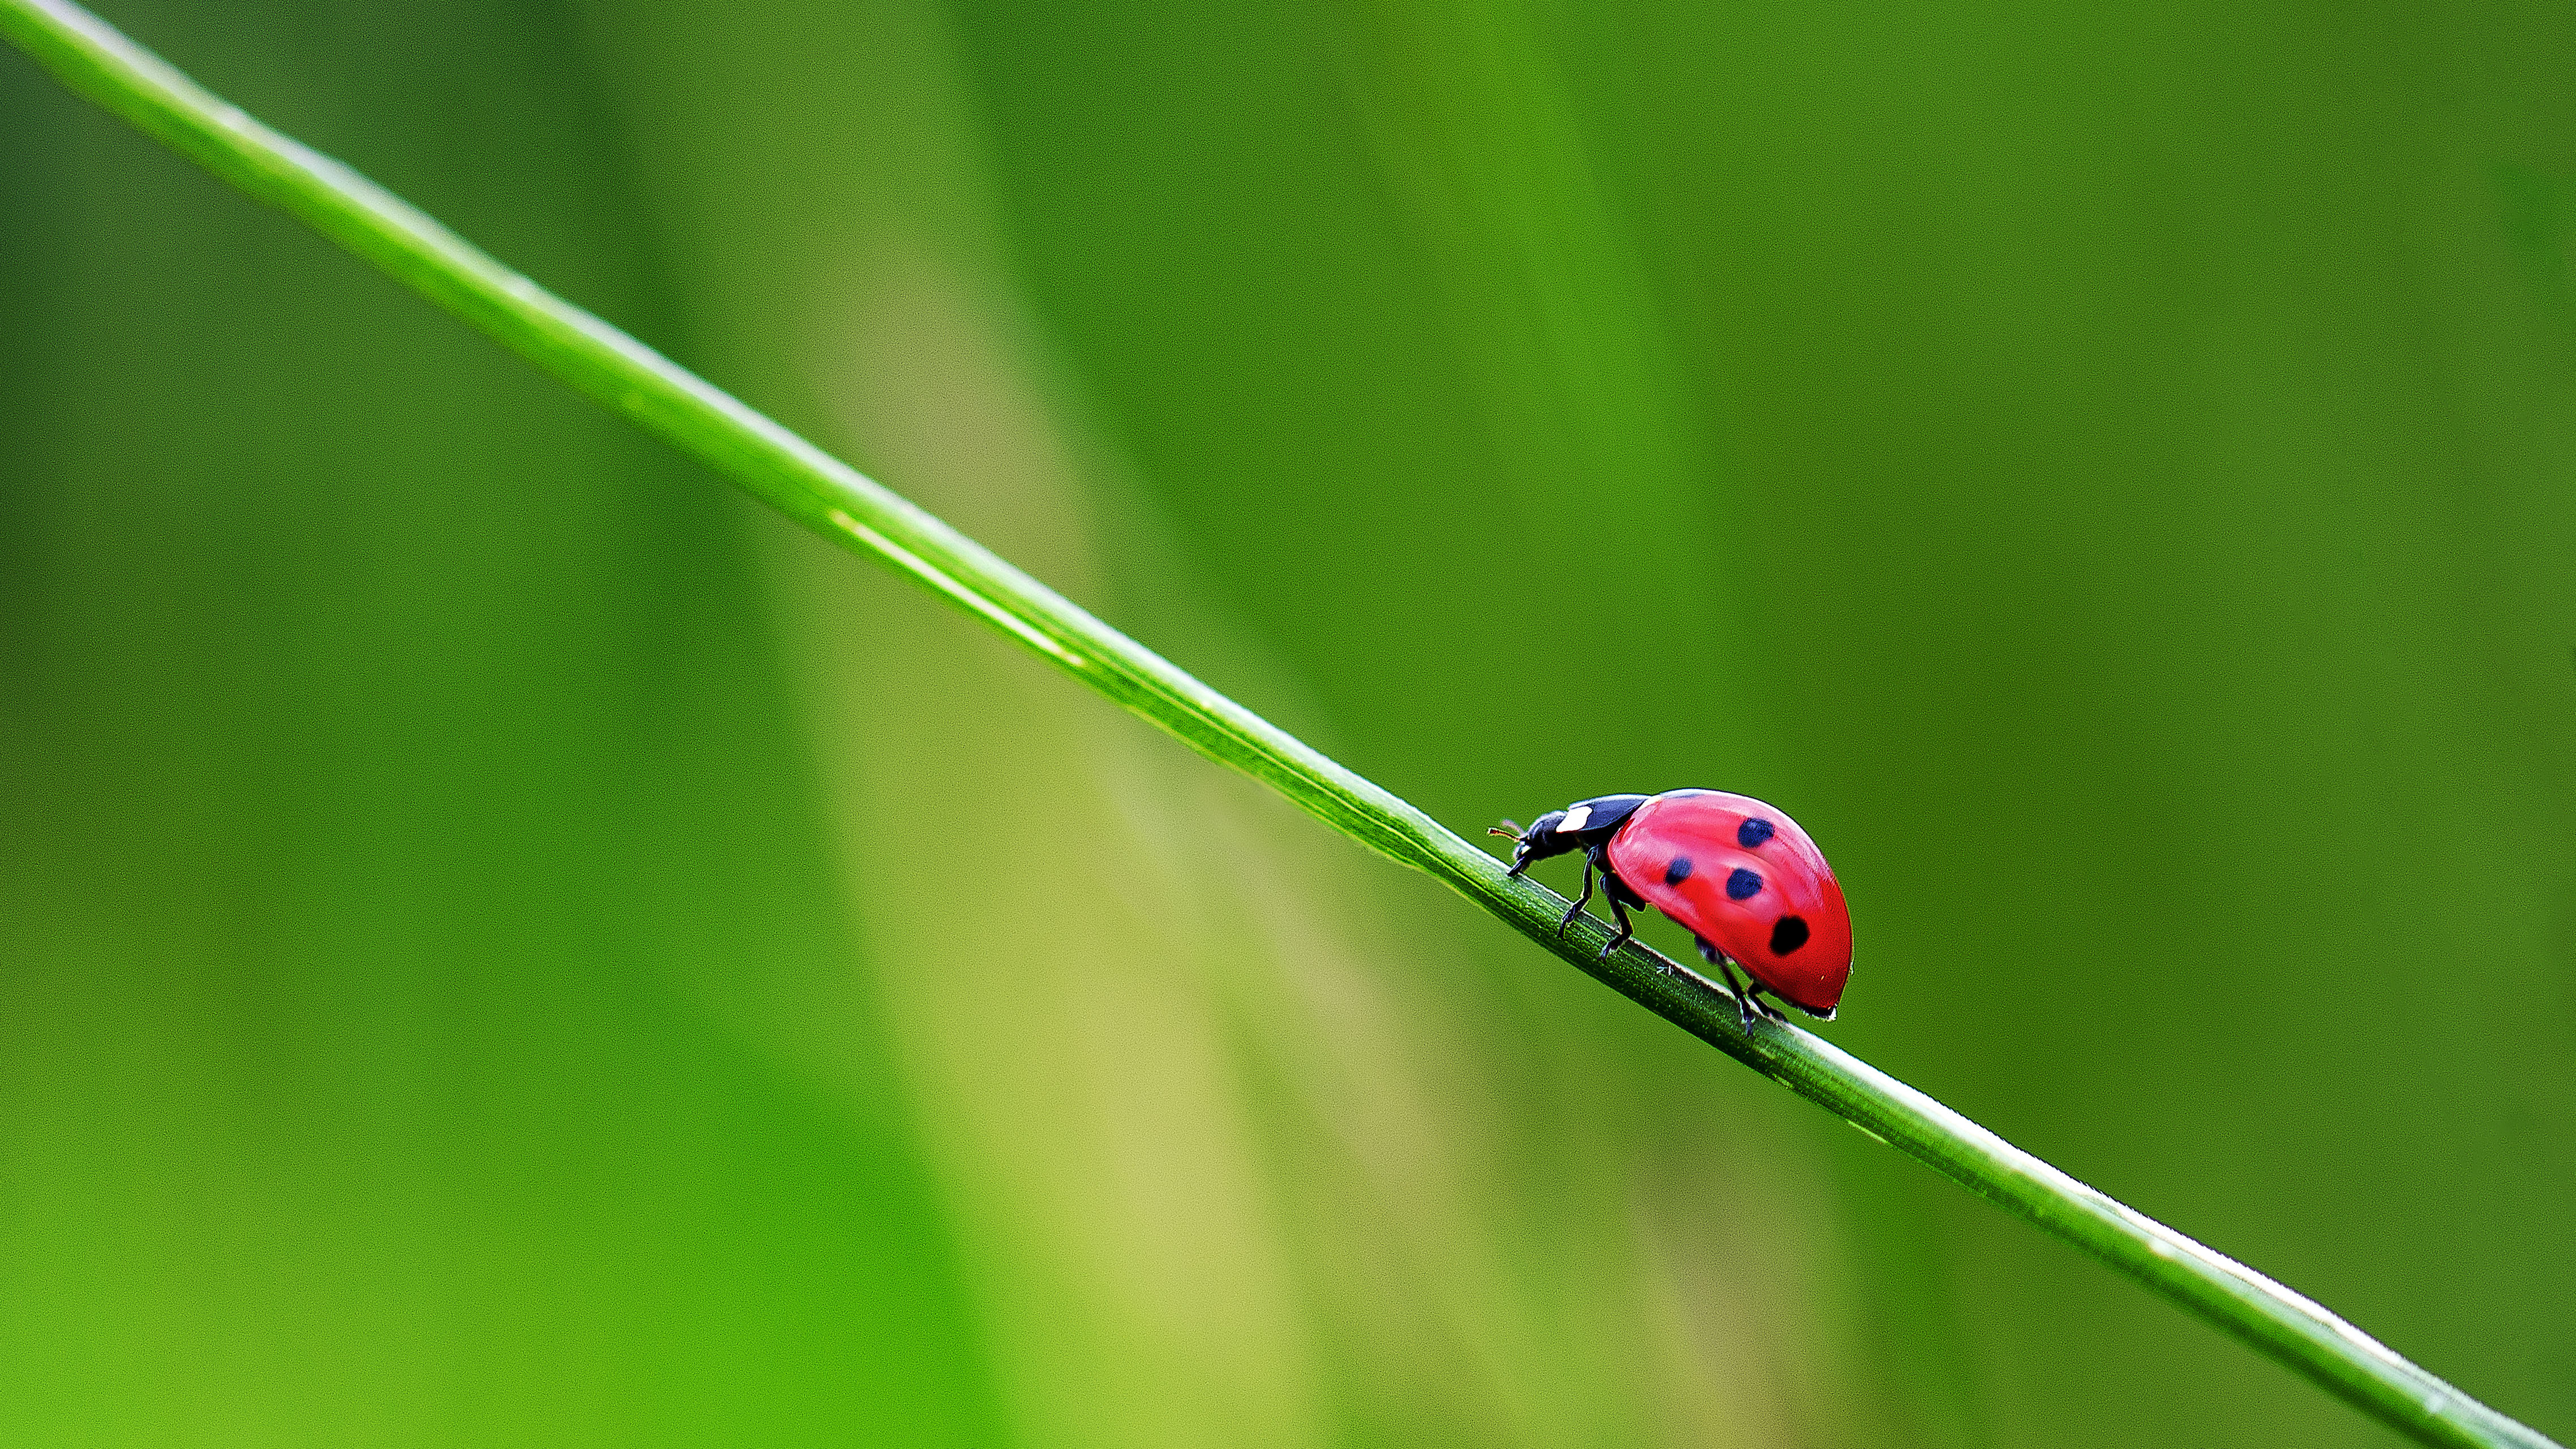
column 1747, row 883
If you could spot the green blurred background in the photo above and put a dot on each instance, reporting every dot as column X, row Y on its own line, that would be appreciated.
column 503, row 941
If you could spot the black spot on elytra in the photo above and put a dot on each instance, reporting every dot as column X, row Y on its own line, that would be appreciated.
column 1788, row 935
column 1753, row 832
column 1742, row 885
column 1678, row 871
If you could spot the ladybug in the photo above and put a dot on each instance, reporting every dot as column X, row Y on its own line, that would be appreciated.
column 1746, row 881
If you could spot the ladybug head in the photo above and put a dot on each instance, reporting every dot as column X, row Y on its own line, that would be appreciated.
column 1583, row 825
column 1538, row 842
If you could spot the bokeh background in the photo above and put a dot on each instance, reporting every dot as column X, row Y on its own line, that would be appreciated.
column 503, row 941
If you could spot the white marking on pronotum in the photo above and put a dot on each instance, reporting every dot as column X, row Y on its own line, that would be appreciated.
column 939, row 579
column 1574, row 820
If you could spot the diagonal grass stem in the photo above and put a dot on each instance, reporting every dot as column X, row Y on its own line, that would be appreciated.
column 835, row 500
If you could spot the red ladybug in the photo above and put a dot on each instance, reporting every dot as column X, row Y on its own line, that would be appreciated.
column 1741, row 875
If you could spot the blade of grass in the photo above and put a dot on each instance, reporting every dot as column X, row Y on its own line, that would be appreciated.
column 834, row 499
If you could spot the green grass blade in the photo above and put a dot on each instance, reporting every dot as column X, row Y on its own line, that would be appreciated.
column 831, row 498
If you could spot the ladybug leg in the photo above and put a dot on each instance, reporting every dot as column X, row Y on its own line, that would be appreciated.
column 1743, row 999
column 1576, row 909
column 1621, row 897
column 1619, row 913
column 1748, row 1002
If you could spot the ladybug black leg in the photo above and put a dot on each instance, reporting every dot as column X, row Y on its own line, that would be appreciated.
column 1743, row 998
column 1619, row 913
column 1746, row 1008
column 1576, row 909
